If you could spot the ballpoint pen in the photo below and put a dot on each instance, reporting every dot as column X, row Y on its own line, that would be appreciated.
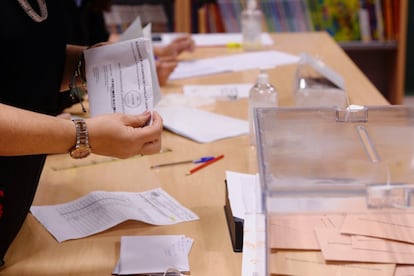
column 195, row 161
column 199, row 167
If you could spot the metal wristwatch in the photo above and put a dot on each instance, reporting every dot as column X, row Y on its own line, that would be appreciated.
column 81, row 148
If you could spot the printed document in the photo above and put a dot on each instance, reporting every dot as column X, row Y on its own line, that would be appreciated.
column 100, row 210
column 120, row 77
column 153, row 254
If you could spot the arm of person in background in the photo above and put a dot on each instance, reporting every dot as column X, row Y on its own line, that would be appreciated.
column 165, row 66
column 166, row 56
column 184, row 43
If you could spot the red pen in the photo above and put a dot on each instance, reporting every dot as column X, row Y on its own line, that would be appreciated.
column 205, row 164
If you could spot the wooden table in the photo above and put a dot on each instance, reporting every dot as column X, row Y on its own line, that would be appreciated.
column 36, row 252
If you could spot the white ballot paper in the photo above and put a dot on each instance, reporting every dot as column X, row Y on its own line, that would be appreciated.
column 153, row 254
column 232, row 63
column 120, row 77
column 100, row 210
column 231, row 91
column 199, row 125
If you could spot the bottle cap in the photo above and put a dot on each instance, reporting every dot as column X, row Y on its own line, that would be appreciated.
column 263, row 78
column 251, row 4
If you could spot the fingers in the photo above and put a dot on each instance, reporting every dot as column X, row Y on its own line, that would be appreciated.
column 157, row 120
column 165, row 59
column 151, row 147
column 137, row 120
column 185, row 43
column 176, row 47
column 123, row 136
column 164, row 70
column 185, row 40
column 151, row 134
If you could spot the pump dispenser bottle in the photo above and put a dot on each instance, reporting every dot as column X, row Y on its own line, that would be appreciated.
column 251, row 26
column 262, row 94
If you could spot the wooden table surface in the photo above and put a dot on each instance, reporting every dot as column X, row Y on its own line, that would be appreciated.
column 36, row 252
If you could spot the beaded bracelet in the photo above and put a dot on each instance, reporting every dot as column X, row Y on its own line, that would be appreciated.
column 77, row 91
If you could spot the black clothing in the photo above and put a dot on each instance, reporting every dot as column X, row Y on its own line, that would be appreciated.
column 85, row 25
column 32, row 66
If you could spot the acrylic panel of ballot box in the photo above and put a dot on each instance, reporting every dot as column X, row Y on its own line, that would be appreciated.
column 332, row 177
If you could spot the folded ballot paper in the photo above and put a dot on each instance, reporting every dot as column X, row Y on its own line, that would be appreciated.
column 153, row 254
column 101, row 210
column 122, row 77
column 201, row 126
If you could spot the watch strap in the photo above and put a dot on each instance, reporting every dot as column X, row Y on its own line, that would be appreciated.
column 82, row 138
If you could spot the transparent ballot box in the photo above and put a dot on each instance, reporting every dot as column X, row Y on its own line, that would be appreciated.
column 336, row 189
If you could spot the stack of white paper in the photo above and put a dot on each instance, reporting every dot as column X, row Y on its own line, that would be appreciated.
column 153, row 254
column 232, row 63
column 211, row 39
column 230, row 91
column 201, row 126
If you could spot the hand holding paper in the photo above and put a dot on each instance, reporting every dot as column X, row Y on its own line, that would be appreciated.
column 120, row 78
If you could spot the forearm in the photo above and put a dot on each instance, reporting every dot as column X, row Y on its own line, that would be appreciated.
column 73, row 54
column 24, row 133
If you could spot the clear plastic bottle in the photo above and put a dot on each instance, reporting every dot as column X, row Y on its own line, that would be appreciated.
column 251, row 26
column 262, row 94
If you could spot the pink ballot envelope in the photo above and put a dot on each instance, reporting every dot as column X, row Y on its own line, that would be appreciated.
column 369, row 243
column 296, row 231
column 338, row 247
column 302, row 262
column 397, row 226
column 404, row 270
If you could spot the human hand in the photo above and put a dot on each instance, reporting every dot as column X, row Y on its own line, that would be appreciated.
column 123, row 136
column 165, row 66
column 177, row 46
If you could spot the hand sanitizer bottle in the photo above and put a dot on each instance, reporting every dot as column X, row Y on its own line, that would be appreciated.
column 251, row 26
column 262, row 94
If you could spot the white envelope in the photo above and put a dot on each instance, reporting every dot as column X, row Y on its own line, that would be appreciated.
column 201, row 126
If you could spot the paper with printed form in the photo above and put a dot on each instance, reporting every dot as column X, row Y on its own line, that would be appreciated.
column 153, row 254
column 120, row 78
column 100, row 210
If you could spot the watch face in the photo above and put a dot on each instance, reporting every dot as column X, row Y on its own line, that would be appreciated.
column 80, row 152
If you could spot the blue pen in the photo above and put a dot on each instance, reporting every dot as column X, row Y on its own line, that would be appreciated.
column 195, row 161
column 203, row 159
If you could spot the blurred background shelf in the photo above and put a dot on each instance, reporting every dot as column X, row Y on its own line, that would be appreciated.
column 383, row 58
